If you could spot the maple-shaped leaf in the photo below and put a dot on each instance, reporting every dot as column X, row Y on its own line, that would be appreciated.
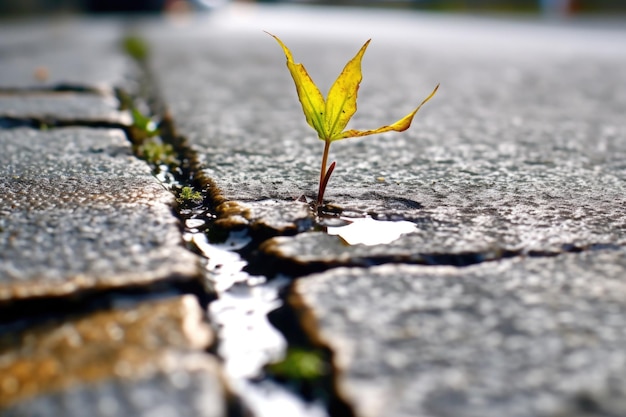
column 329, row 117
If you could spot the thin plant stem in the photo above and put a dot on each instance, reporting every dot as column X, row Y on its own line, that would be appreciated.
column 322, row 186
column 329, row 172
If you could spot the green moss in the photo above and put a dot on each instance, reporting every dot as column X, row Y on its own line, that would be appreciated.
column 299, row 364
column 136, row 47
column 189, row 195
column 157, row 153
column 143, row 126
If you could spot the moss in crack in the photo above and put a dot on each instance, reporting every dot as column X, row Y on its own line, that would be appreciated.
column 143, row 127
column 147, row 142
column 308, row 367
column 306, row 371
column 157, row 153
column 154, row 140
column 135, row 47
column 188, row 196
column 299, row 364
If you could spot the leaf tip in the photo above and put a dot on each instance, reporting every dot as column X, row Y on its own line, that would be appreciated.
column 283, row 46
column 364, row 47
column 269, row 33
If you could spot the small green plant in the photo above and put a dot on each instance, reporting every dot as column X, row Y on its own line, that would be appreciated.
column 189, row 195
column 157, row 153
column 143, row 126
column 330, row 116
column 136, row 47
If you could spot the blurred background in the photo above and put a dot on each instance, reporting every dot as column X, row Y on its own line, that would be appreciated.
column 556, row 8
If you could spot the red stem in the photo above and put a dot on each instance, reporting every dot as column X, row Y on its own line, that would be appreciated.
column 331, row 168
column 323, row 175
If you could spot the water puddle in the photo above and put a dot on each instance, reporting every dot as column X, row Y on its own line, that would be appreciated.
column 270, row 399
column 247, row 341
column 367, row 231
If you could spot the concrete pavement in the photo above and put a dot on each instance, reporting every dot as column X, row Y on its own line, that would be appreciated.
column 504, row 297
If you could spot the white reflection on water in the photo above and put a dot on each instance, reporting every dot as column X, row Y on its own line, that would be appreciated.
column 247, row 340
column 367, row 231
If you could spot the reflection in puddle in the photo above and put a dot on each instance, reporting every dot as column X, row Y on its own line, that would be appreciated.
column 224, row 267
column 247, row 340
column 367, row 231
column 272, row 400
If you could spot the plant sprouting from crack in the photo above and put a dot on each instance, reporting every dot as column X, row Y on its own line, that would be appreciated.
column 143, row 126
column 188, row 195
column 330, row 116
column 157, row 153
column 148, row 145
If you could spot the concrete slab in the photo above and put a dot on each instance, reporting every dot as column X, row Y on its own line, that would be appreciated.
column 63, row 108
column 427, row 244
column 69, row 53
column 522, row 147
column 79, row 212
column 131, row 360
column 520, row 337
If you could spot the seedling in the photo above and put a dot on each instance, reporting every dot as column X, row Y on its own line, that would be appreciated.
column 143, row 126
column 188, row 195
column 157, row 153
column 330, row 116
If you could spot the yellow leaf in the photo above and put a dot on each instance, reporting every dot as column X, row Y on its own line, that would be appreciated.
column 341, row 99
column 399, row 126
column 309, row 95
column 329, row 117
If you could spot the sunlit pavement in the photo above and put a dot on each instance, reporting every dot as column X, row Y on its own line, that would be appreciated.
column 502, row 296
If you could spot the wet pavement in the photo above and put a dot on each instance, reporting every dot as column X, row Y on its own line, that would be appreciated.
column 472, row 265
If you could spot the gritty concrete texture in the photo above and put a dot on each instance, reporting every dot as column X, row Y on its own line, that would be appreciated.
column 79, row 212
column 130, row 360
column 522, row 148
column 521, row 337
column 66, row 53
column 190, row 389
column 65, row 108
column 520, row 155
